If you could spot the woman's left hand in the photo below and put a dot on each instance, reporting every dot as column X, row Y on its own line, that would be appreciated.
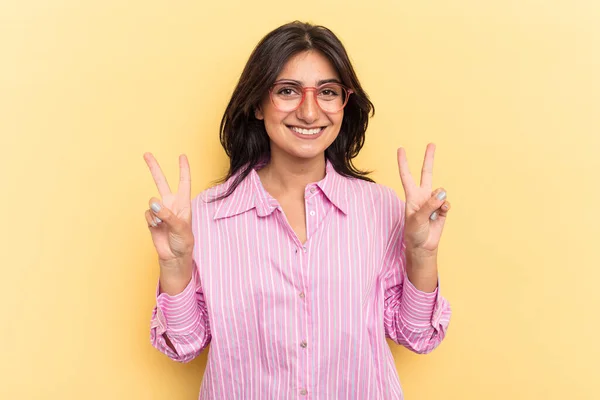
column 426, row 210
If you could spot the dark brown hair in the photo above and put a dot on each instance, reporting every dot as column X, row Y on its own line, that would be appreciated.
column 244, row 137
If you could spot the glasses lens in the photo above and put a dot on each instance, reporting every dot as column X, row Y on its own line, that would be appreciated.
column 331, row 97
column 286, row 96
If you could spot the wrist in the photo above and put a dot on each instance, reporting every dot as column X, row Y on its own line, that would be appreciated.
column 175, row 275
column 176, row 264
column 421, row 258
column 422, row 271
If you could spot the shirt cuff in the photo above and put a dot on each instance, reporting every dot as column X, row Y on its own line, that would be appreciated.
column 176, row 314
column 417, row 306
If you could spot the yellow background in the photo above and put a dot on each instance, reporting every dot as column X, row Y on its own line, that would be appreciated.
column 508, row 90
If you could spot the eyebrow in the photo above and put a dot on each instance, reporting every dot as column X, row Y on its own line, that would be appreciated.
column 319, row 83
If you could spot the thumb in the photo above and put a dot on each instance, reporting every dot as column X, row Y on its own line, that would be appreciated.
column 166, row 215
column 435, row 201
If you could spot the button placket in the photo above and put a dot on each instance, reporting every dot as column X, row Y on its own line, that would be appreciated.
column 300, row 260
column 311, row 204
column 305, row 321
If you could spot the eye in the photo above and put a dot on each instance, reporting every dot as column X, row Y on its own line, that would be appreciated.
column 329, row 92
column 286, row 90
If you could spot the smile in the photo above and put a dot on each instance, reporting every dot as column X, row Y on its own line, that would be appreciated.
column 311, row 133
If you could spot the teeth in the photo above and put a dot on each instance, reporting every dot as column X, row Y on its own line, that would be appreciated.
column 306, row 131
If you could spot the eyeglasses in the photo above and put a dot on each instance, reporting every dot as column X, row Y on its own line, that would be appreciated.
column 288, row 96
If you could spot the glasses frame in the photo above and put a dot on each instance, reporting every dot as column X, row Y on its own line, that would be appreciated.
column 315, row 91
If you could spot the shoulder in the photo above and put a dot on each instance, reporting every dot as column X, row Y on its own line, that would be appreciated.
column 206, row 201
column 377, row 195
column 376, row 202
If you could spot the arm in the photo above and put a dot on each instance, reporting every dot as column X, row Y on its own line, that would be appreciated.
column 179, row 327
column 416, row 319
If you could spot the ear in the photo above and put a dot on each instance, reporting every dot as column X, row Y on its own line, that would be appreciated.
column 258, row 113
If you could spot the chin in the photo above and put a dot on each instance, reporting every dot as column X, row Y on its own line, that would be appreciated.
column 308, row 151
column 305, row 156
column 304, row 153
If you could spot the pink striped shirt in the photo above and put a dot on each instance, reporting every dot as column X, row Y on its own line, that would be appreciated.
column 287, row 320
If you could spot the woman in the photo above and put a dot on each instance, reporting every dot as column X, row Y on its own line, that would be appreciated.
column 297, row 266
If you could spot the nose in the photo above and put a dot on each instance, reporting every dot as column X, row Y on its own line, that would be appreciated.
column 309, row 109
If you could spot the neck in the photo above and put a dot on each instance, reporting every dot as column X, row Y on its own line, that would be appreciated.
column 291, row 175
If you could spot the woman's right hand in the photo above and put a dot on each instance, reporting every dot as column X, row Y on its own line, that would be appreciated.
column 172, row 236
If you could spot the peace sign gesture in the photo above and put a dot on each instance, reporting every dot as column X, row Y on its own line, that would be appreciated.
column 426, row 211
column 170, row 220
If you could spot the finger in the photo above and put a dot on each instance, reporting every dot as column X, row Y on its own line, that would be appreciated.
column 441, row 212
column 430, row 208
column 427, row 170
column 152, row 220
column 166, row 215
column 407, row 181
column 157, row 175
column 185, row 181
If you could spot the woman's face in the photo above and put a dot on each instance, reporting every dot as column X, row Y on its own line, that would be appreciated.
column 306, row 132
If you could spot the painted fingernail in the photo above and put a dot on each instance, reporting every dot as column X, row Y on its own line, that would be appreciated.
column 445, row 207
column 441, row 195
column 158, row 220
column 433, row 216
column 155, row 207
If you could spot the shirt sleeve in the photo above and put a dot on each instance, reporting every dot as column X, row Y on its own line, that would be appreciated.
column 182, row 318
column 412, row 318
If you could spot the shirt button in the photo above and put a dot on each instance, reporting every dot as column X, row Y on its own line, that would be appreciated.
column 303, row 344
column 301, row 295
column 312, row 190
column 303, row 392
column 312, row 213
column 304, row 249
column 162, row 323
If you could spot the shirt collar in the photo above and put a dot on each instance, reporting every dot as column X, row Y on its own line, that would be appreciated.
column 250, row 194
column 335, row 187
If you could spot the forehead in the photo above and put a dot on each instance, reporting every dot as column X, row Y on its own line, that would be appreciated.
column 308, row 67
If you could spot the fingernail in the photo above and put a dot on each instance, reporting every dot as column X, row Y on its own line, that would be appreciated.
column 441, row 195
column 433, row 216
column 158, row 220
column 155, row 207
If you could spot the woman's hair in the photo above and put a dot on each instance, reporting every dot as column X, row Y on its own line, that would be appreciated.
column 244, row 137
